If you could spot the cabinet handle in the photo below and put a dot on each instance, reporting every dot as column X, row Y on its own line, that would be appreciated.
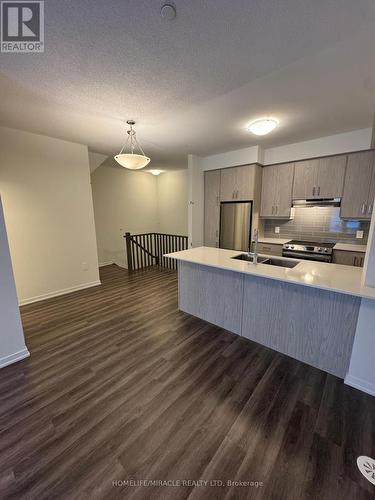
column 313, row 191
column 355, row 261
column 364, row 206
column 361, row 262
column 318, row 190
column 369, row 211
column 237, row 193
column 217, row 233
column 277, row 208
column 272, row 209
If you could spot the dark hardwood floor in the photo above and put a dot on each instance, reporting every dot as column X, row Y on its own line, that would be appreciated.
column 122, row 386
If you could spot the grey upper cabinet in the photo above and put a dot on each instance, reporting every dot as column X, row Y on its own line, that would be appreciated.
column 245, row 180
column 331, row 174
column 269, row 179
column 236, row 183
column 277, row 187
column 319, row 178
column 305, row 179
column 211, row 208
column 359, row 188
column 371, row 196
column 228, row 184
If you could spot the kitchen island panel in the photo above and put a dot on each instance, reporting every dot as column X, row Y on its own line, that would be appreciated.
column 212, row 294
column 311, row 325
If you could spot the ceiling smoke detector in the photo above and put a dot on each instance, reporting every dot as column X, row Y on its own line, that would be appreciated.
column 168, row 12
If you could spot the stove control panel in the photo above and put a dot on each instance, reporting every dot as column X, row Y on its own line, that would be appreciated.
column 307, row 248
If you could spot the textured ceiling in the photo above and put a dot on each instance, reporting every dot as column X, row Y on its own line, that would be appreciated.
column 194, row 83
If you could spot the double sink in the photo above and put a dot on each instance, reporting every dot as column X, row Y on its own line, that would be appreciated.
column 267, row 260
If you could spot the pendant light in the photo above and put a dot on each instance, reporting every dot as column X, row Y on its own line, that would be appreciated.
column 132, row 161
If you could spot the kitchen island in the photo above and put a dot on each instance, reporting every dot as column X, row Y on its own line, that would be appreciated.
column 308, row 312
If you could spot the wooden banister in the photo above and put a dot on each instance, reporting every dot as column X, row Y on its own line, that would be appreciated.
column 147, row 249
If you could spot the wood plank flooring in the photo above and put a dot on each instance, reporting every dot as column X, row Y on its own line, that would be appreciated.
column 122, row 386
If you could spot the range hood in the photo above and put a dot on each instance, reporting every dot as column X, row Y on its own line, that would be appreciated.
column 317, row 202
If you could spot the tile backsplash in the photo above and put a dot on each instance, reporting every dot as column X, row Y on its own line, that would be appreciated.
column 318, row 224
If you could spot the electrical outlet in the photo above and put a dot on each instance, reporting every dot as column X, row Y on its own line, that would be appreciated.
column 277, row 230
column 85, row 266
column 359, row 235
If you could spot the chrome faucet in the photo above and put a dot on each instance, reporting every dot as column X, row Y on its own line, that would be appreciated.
column 255, row 246
column 254, row 253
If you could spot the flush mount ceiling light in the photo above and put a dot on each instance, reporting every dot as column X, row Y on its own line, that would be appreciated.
column 132, row 161
column 155, row 172
column 262, row 126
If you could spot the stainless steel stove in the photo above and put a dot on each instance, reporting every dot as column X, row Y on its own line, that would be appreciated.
column 308, row 250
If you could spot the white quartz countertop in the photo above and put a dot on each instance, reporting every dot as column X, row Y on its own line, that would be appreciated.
column 333, row 277
column 347, row 247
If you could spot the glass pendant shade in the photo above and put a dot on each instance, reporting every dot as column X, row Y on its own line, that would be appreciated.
column 132, row 161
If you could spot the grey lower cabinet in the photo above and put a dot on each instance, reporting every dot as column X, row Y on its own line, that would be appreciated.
column 346, row 258
column 319, row 178
column 309, row 324
column 270, row 249
column 211, row 208
column 359, row 187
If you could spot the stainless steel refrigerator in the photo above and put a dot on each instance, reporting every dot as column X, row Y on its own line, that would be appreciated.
column 235, row 225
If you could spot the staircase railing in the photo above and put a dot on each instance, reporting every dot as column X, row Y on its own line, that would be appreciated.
column 147, row 249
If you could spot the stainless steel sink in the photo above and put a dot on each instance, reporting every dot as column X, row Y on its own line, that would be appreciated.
column 267, row 260
column 280, row 263
column 249, row 258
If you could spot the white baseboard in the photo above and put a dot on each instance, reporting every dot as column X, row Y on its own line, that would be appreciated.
column 13, row 358
column 360, row 384
column 103, row 264
column 57, row 293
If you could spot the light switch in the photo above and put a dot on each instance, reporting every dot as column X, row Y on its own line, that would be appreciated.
column 277, row 229
column 359, row 235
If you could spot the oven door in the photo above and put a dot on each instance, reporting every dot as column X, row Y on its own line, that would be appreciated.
column 307, row 256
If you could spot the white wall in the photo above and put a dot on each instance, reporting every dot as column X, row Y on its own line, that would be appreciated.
column 124, row 201
column 245, row 156
column 95, row 160
column 172, row 199
column 361, row 374
column 45, row 186
column 195, row 201
column 324, row 146
column 12, row 342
